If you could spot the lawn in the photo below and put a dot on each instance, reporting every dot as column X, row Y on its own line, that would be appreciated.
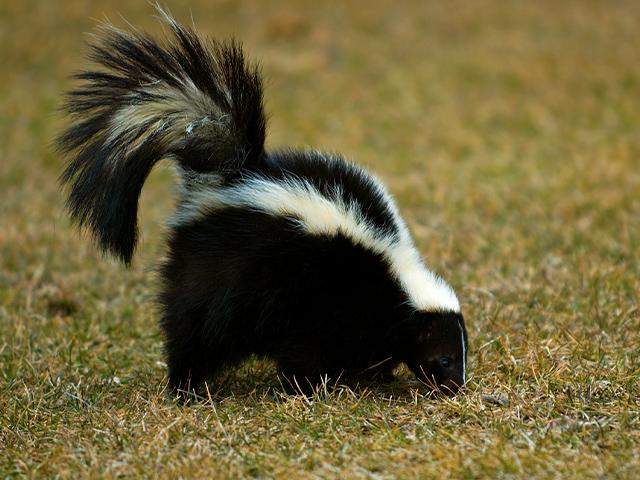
column 508, row 132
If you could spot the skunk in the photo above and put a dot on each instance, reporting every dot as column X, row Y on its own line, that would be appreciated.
column 297, row 256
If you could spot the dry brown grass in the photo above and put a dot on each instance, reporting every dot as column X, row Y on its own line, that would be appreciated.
column 510, row 134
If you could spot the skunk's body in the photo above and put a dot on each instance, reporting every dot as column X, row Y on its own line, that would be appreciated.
column 301, row 257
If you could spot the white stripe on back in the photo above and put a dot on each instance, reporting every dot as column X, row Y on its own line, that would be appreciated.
column 322, row 215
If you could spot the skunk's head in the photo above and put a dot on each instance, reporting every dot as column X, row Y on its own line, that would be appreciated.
column 434, row 347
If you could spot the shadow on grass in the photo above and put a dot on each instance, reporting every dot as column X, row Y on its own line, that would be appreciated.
column 259, row 380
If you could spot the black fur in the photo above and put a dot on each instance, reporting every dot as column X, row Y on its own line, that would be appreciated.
column 240, row 281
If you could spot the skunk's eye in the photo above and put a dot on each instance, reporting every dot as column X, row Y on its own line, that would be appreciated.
column 445, row 362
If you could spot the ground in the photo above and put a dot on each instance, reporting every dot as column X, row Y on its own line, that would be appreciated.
column 509, row 133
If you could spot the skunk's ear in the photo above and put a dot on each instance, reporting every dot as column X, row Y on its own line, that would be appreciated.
column 418, row 328
column 424, row 328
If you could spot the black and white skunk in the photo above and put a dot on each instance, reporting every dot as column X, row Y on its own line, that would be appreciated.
column 297, row 256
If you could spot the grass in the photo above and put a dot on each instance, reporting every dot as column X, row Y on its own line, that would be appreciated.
column 509, row 133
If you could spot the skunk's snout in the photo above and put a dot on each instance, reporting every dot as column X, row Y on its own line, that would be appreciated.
column 450, row 388
column 436, row 382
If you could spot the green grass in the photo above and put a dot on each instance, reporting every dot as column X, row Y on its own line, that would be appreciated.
column 509, row 133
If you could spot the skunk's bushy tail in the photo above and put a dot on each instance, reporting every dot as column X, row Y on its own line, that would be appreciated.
column 198, row 103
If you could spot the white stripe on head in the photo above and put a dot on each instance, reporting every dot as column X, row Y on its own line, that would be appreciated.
column 464, row 353
column 323, row 215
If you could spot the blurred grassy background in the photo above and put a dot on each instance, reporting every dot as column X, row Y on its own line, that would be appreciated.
column 509, row 133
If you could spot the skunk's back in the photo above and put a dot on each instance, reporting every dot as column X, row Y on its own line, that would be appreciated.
column 322, row 195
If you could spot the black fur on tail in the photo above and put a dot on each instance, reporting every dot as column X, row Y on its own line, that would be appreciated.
column 196, row 102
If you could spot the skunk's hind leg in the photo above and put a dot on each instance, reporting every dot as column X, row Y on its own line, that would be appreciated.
column 187, row 364
column 186, row 367
column 190, row 360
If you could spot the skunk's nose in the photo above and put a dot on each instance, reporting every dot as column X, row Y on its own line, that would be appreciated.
column 449, row 387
